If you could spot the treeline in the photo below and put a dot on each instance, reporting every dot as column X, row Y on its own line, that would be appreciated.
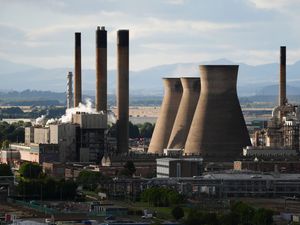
column 161, row 197
column 34, row 184
column 17, row 112
column 144, row 130
column 14, row 132
column 240, row 214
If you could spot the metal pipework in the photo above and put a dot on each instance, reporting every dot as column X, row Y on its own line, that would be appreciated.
column 69, row 90
column 101, row 69
column 188, row 103
column 123, row 91
column 218, row 128
column 167, row 115
column 77, row 78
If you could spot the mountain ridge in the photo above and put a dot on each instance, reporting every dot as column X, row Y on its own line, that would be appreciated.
column 251, row 79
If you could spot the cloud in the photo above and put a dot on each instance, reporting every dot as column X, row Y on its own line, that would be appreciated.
column 176, row 2
column 275, row 4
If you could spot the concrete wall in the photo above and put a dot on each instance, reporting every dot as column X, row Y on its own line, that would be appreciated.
column 41, row 135
column 29, row 135
column 90, row 121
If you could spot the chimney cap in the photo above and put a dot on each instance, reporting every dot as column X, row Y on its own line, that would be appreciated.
column 100, row 27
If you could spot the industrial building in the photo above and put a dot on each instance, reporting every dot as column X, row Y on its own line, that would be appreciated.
column 282, row 166
column 282, row 130
column 81, row 140
column 234, row 184
column 83, row 137
column 182, row 167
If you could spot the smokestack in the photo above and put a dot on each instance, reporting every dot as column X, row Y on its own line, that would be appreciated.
column 77, row 79
column 218, row 129
column 101, row 69
column 282, row 86
column 184, row 117
column 123, row 91
column 69, row 91
column 167, row 115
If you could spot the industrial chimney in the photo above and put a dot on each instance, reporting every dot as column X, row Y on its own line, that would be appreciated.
column 69, row 91
column 101, row 69
column 77, row 80
column 167, row 115
column 123, row 91
column 184, row 117
column 218, row 129
column 282, row 86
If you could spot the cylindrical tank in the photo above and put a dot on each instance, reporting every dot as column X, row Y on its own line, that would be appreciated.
column 167, row 115
column 77, row 77
column 184, row 117
column 101, row 69
column 218, row 129
column 123, row 91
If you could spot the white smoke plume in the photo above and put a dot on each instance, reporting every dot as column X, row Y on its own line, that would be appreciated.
column 111, row 117
column 52, row 121
column 86, row 108
column 40, row 120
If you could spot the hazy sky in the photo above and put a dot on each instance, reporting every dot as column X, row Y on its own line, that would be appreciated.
column 41, row 32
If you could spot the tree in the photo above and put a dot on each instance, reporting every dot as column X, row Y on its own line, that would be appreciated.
column 161, row 197
column 244, row 212
column 177, row 213
column 128, row 170
column 30, row 170
column 5, row 170
column 229, row 219
column 263, row 217
column 129, row 165
column 5, row 144
column 146, row 130
column 133, row 131
column 89, row 179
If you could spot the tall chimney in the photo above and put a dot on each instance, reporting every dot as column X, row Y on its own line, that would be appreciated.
column 218, row 129
column 167, row 115
column 282, row 86
column 184, row 117
column 101, row 69
column 123, row 91
column 69, row 91
column 77, row 79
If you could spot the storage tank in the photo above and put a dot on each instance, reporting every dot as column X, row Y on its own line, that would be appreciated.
column 184, row 117
column 218, row 128
column 167, row 115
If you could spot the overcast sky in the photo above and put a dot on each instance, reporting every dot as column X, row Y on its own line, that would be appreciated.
column 41, row 32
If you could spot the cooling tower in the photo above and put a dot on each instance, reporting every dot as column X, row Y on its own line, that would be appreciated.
column 218, row 128
column 77, row 78
column 167, row 115
column 282, row 86
column 184, row 117
column 101, row 69
column 123, row 91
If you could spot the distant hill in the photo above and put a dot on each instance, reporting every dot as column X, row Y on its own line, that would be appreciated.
column 252, row 80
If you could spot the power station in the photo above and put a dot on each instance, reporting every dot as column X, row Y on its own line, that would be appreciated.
column 199, row 117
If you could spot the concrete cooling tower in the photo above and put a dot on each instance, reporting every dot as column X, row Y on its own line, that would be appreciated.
column 167, row 115
column 218, row 128
column 184, row 117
